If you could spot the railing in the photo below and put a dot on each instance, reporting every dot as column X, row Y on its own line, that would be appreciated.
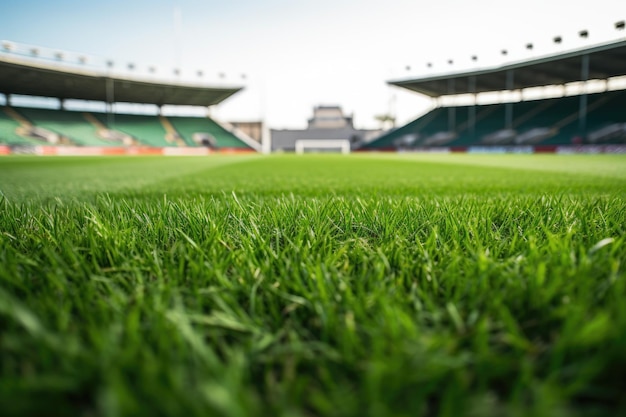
column 110, row 67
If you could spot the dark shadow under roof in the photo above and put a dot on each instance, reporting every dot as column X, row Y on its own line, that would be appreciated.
column 605, row 61
column 24, row 77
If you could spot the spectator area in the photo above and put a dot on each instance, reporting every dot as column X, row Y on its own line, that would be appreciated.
column 148, row 130
column 69, row 124
column 542, row 122
column 9, row 131
column 188, row 126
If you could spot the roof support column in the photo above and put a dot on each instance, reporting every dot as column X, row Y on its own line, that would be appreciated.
column 472, row 109
column 451, row 109
column 110, row 95
column 508, row 109
column 582, row 108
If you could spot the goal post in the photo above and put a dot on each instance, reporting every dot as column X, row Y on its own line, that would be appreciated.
column 302, row 145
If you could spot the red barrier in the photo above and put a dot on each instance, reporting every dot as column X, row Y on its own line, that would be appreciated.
column 144, row 151
column 545, row 149
column 46, row 150
column 114, row 151
column 236, row 150
column 458, row 149
column 186, row 151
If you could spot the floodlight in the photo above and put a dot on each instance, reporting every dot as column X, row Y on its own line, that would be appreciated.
column 429, row 65
column 474, row 58
column 557, row 39
column 110, row 64
column 583, row 34
column 529, row 46
column 34, row 51
column 504, row 52
column 131, row 66
column 450, row 62
column 59, row 56
column 82, row 59
column 408, row 68
column 619, row 25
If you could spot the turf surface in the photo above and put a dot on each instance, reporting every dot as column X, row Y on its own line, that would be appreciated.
column 369, row 285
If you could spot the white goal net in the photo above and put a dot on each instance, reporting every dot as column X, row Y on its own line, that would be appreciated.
column 322, row 145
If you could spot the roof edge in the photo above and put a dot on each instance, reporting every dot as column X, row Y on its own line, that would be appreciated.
column 508, row 66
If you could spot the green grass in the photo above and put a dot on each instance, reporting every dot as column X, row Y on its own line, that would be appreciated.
column 368, row 285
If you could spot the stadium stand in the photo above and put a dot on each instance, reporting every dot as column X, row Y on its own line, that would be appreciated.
column 147, row 130
column 8, row 131
column 67, row 124
column 171, row 135
column 595, row 118
column 543, row 122
column 199, row 128
column 91, row 129
column 23, row 73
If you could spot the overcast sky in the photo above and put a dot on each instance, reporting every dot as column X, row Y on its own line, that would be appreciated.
column 299, row 54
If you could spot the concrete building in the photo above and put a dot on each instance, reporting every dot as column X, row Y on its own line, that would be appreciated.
column 328, row 122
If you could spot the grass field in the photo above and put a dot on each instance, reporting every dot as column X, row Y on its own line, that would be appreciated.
column 362, row 285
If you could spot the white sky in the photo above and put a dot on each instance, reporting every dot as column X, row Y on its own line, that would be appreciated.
column 300, row 54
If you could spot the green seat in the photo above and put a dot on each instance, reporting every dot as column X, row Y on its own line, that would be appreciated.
column 70, row 124
column 8, row 134
column 187, row 126
column 559, row 114
column 146, row 129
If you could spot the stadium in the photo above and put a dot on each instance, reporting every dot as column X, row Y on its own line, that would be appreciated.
column 584, row 116
column 158, row 259
column 587, row 114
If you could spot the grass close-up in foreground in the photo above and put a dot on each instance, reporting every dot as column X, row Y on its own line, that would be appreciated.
column 361, row 285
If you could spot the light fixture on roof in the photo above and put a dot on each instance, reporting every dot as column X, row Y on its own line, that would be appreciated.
column 450, row 62
column 504, row 52
column 619, row 25
column 59, row 56
column 34, row 51
column 7, row 46
column 474, row 58
column 110, row 64
column 131, row 66
column 583, row 33
column 408, row 68
column 557, row 39
column 529, row 46
column 429, row 64
column 82, row 59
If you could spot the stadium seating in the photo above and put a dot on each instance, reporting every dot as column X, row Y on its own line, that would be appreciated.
column 188, row 126
column 90, row 129
column 8, row 131
column 543, row 122
column 148, row 130
column 72, row 125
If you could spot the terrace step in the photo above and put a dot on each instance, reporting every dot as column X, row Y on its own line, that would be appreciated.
column 172, row 135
